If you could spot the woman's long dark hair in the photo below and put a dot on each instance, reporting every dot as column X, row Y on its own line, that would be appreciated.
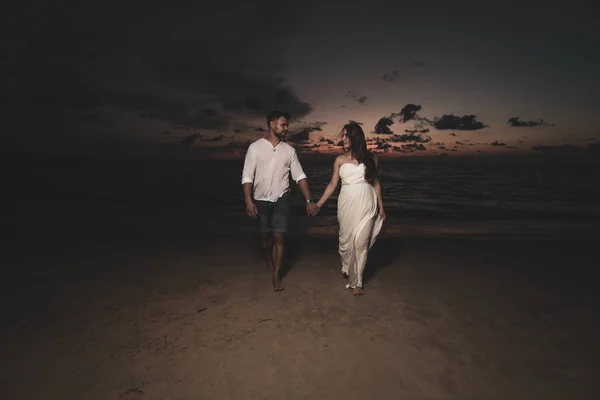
column 358, row 150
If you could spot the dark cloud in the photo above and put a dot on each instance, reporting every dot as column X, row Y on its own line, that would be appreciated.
column 189, row 140
column 413, row 131
column 383, row 126
column 95, row 119
column 411, row 137
column 383, row 146
column 396, row 74
column 260, row 129
column 589, row 152
column 326, row 141
column 313, row 126
column 464, row 123
column 496, row 143
column 414, row 146
column 390, row 76
column 516, row 122
column 233, row 105
column 300, row 137
column 408, row 113
column 151, row 115
column 452, row 134
column 213, row 139
column 171, row 65
column 211, row 112
column 358, row 97
column 252, row 103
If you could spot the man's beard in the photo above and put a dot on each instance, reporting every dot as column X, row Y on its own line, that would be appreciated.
column 281, row 136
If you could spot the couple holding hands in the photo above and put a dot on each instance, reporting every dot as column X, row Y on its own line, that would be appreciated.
column 265, row 179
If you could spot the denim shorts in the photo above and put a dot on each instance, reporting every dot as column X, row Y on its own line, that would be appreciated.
column 273, row 216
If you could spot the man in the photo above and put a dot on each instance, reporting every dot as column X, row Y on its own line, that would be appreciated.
column 265, row 179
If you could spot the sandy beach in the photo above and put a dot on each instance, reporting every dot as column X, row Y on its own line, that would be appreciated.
column 196, row 318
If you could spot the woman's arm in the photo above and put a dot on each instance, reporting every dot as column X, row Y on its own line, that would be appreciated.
column 377, row 187
column 333, row 183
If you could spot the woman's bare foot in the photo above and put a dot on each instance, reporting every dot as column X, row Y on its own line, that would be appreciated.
column 278, row 288
column 358, row 291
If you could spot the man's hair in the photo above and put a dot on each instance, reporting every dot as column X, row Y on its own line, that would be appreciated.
column 275, row 115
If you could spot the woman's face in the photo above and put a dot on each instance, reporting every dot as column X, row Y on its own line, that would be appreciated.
column 345, row 140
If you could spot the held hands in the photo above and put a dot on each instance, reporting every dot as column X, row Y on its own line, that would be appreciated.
column 312, row 209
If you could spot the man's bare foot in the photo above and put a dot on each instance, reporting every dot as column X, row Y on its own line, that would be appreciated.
column 358, row 291
column 278, row 288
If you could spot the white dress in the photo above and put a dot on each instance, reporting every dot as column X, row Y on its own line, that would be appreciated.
column 359, row 221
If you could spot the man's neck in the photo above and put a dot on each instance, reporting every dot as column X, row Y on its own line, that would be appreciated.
column 274, row 140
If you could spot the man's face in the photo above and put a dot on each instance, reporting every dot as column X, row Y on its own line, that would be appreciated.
column 280, row 127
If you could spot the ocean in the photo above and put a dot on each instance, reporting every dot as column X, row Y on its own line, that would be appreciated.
column 462, row 198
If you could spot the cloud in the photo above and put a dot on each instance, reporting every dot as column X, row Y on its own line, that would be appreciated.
column 95, row 119
column 171, row 66
column 300, row 137
column 390, row 76
column 189, row 140
column 383, row 126
column 414, row 146
column 395, row 74
column 313, row 126
column 383, row 146
column 411, row 137
column 408, row 113
column 516, row 122
column 213, row 139
column 233, row 105
column 358, row 97
column 496, row 143
column 413, row 131
column 587, row 153
column 464, row 123
column 260, row 129
column 151, row 115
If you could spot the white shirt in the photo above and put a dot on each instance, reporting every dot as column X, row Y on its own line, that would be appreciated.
column 268, row 168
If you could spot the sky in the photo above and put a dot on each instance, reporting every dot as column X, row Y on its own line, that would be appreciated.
column 197, row 78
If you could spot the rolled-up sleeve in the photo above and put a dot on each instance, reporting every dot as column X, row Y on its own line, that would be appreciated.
column 296, row 168
column 249, row 167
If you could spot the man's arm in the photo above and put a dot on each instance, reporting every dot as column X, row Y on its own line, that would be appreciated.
column 311, row 208
column 299, row 176
column 251, row 210
column 303, row 185
column 248, row 181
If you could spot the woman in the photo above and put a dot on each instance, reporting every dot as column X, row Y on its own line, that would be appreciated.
column 360, row 207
